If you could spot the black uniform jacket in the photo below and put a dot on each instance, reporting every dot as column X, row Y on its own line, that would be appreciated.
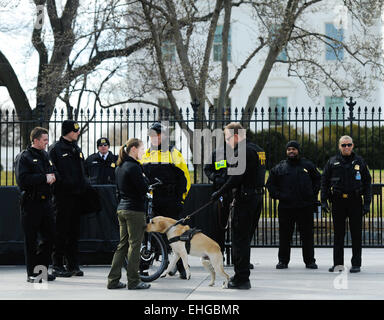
column 69, row 161
column 346, row 175
column 251, row 181
column 31, row 167
column 295, row 183
column 101, row 171
column 132, row 185
column 217, row 170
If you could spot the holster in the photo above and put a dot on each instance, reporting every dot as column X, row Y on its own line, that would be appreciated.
column 247, row 193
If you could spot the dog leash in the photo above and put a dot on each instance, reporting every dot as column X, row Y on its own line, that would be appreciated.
column 182, row 220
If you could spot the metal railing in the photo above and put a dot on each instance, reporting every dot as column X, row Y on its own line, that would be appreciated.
column 317, row 129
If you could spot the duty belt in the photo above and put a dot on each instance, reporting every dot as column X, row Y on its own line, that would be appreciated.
column 250, row 191
column 346, row 195
column 37, row 196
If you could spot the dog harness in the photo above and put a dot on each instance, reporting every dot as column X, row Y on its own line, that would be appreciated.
column 186, row 237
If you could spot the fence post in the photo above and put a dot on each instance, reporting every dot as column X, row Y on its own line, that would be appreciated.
column 195, row 106
column 351, row 104
column 40, row 108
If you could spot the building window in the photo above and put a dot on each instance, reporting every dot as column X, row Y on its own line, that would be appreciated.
column 277, row 104
column 334, row 50
column 218, row 44
column 331, row 103
column 168, row 50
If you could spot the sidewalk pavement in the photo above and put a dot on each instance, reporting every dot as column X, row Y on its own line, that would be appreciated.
column 268, row 283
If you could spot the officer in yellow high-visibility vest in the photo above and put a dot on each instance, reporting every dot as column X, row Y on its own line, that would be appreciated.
column 167, row 164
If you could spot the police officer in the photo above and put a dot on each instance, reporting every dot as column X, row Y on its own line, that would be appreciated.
column 217, row 173
column 35, row 175
column 101, row 165
column 167, row 164
column 247, row 178
column 295, row 182
column 345, row 180
column 69, row 190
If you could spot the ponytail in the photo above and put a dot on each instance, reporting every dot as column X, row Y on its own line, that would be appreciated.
column 126, row 148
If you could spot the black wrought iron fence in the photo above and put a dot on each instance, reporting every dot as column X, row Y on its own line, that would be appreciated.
column 316, row 128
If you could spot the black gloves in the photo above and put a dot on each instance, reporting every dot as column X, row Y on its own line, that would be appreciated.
column 324, row 206
column 219, row 180
column 215, row 196
column 366, row 209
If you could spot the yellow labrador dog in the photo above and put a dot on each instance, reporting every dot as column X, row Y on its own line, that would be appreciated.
column 201, row 246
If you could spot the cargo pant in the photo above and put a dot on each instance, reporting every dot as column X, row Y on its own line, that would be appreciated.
column 132, row 225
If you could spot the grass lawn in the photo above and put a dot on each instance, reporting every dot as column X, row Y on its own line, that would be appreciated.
column 6, row 178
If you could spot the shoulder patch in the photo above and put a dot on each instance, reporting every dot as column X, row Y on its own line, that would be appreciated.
column 262, row 157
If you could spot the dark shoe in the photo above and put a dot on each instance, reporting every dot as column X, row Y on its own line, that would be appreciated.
column 141, row 285
column 76, row 272
column 51, row 277
column 120, row 285
column 311, row 266
column 332, row 269
column 33, row 279
column 242, row 286
column 61, row 272
column 282, row 265
column 354, row 269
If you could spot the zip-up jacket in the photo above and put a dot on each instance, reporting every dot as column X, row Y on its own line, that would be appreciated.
column 31, row 167
column 294, row 182
column 132, row 185
column 170, row 167
column 69, row 161
column 346, row 175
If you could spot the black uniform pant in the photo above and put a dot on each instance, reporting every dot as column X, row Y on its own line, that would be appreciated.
column 341, row 209
column 68, row 209
column 37, row 219
column 245, row 217
column 303, row 218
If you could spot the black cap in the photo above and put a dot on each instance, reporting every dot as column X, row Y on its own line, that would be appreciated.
column 68, row 126
column 103, row 140
column 293, row 144
column 157, row 127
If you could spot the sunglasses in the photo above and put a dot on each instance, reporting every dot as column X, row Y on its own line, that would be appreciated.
column 103, row 145
column 344, row 145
